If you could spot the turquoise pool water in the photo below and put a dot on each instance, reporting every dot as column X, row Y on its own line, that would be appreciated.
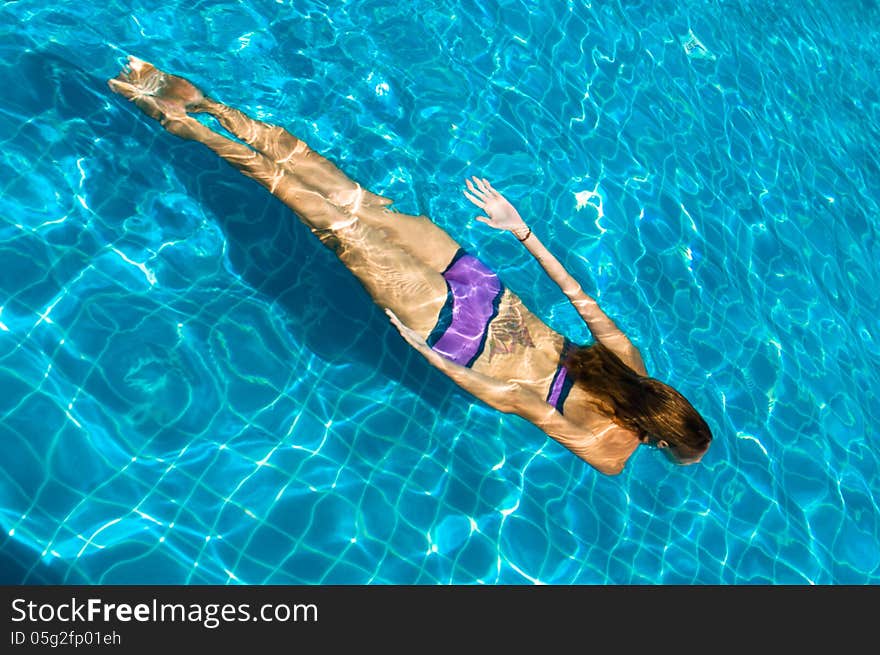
column 192, row 390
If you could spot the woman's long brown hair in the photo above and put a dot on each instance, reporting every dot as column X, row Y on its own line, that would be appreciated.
column 642, row 404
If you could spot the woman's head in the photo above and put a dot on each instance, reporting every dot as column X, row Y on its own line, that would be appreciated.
column 659, row 414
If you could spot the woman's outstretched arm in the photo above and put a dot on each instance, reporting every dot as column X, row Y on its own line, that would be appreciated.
column 513, row 398
column 502, row 215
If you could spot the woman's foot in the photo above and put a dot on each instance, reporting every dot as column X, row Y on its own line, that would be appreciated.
column 167, row 98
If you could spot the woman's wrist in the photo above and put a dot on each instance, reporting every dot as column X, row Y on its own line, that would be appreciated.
column 522, row 233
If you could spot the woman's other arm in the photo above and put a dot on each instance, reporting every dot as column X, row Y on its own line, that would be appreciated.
column 502, row 215
column 513, row 398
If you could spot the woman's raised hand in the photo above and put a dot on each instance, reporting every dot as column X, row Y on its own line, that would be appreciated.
column 500, row 213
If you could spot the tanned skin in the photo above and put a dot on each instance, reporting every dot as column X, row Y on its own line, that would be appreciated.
column 399, row 259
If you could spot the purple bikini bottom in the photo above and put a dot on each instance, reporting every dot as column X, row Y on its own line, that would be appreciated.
column 474, row 292
column 472, row 298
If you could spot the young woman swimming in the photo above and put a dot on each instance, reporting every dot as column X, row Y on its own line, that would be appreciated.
column 595, row 400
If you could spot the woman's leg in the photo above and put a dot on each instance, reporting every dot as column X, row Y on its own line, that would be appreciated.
column 293, row 154
column 419, row 235
column 391, row 275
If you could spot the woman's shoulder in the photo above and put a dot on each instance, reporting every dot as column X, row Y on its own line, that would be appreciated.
column 607, row 450
column 616, row 447
column 606, row 445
